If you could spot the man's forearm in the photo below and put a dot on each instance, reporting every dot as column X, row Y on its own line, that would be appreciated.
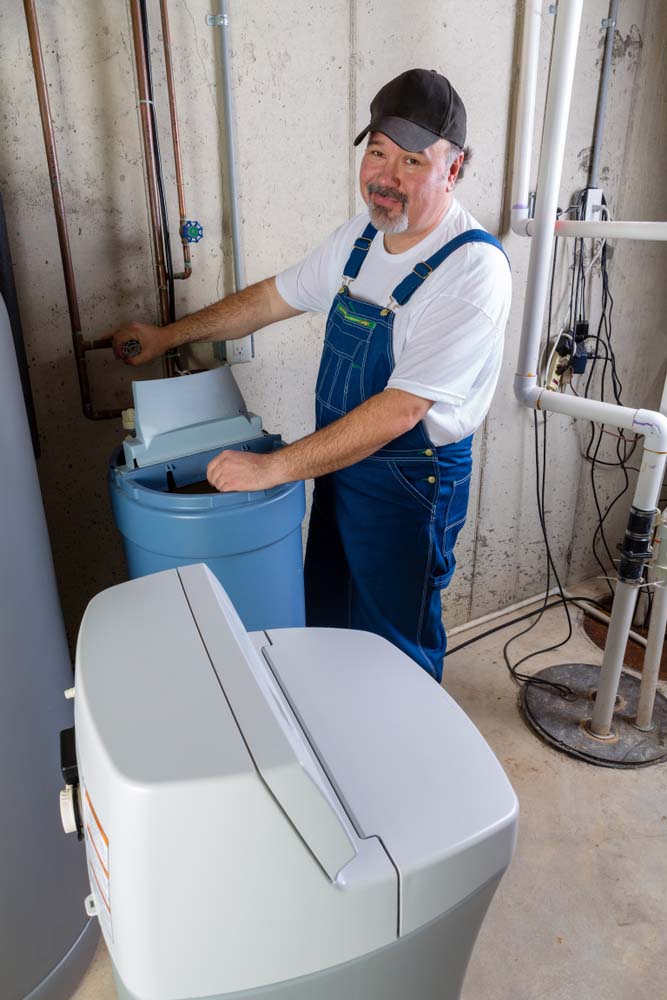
column 354, row 437
column 235, row 316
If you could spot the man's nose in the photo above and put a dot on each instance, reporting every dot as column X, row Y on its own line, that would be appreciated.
column 389, row 175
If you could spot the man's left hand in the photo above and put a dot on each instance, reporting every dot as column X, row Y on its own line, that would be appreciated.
column 243, row 471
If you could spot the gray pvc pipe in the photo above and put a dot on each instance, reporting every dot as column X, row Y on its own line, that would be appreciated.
column 620, row 624
column 230, row 146
column 602, row 95
column 654, row 644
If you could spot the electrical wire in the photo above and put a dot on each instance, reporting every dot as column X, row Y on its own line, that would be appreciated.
column 540, row 490
column 576, row 600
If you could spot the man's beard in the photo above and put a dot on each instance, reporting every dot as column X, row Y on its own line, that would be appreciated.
column 381, row 217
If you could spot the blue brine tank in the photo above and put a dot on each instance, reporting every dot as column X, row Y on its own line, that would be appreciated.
column 169, row 516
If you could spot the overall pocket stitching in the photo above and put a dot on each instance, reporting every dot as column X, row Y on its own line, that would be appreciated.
column 409, row 488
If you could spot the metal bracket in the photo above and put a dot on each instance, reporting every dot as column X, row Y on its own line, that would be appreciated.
column 609, row 22
column 217, row 20
column 553, row 8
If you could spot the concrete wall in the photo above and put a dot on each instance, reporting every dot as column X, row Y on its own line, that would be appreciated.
column 303, row 76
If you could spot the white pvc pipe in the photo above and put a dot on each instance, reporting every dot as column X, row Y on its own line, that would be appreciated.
column 652, row 657
column 551, row 163
column 502, row 612
column 647, row 422
column 525, row 117
column 652, row 425
column 601, row 616
column 656, row 632
column 622, row 613
column 613, row 230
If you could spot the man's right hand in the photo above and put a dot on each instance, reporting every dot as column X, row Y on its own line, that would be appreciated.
column 153, row 341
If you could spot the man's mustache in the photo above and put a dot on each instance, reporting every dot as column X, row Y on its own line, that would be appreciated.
column 386, row 192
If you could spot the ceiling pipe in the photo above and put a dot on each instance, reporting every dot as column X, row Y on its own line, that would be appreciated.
column 650, row 424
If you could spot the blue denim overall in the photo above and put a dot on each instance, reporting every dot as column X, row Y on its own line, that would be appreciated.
column 382, row 531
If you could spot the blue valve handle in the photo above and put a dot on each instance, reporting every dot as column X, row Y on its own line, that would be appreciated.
column 192, row 231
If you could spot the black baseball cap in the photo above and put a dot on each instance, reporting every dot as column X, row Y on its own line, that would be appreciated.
column 416, row 109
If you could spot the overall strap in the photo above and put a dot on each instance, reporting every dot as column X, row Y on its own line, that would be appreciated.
column 421, row 271
column 362, row 245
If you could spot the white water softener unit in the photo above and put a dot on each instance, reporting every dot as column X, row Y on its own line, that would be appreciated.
column 299, row 814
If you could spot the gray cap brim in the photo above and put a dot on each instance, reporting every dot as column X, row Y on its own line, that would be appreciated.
column 413, row 138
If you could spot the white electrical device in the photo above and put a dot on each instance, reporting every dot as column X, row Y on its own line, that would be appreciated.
column 301, row 813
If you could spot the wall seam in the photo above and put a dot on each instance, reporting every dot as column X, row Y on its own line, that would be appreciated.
column 352, row 106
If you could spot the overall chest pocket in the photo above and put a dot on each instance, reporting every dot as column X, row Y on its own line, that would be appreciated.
column 344, row 356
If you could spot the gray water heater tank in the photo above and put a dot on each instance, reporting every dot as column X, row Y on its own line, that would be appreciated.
column 46, row 938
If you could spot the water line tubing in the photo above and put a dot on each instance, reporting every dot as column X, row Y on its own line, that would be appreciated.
column 173, row 114
column 162, row 198
column 79, row 345
column 151, row 171
column 648, row 423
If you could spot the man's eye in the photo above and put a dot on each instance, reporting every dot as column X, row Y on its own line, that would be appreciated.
column 411, row 162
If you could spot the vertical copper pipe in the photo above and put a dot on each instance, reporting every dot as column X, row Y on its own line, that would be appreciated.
column 171, row 90
column 157, row 233
column 59, row 208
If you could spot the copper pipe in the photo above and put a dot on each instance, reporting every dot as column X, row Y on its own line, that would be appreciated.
column 173, row 114
column 78, row 343
column 157, row 232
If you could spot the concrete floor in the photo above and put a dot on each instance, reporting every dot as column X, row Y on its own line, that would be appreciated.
column 582, row 912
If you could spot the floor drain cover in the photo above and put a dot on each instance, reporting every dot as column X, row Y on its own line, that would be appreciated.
column 564, row 722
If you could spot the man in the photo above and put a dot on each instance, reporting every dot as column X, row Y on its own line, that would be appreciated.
column 417, row 298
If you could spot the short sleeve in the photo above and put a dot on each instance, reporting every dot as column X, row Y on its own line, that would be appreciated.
column 452, row 344
column 311, row 284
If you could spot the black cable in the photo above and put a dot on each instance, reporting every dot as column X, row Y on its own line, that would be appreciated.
column 562, row 689
column 574, row 599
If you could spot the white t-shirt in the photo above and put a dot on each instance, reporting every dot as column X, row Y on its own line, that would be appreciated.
column 448, row 338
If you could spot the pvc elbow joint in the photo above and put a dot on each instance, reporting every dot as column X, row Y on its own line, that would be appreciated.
column 653, row 426
column 527, row 391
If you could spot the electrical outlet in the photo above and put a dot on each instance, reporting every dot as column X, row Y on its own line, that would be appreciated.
column 240, row 351
column 593, row 205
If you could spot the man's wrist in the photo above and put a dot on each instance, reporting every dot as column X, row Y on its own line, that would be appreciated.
column 280, row 464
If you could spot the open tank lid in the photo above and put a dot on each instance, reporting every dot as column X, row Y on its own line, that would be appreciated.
column 174, row 417
column 406, row 761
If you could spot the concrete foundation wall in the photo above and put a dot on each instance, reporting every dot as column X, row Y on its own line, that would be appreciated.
column 303, row 76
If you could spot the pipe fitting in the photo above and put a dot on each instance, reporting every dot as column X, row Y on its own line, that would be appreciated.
column 636, row 549
column 527, row 391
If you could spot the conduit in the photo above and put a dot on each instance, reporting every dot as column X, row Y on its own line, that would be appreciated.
column 232, row 349
column 650, row 424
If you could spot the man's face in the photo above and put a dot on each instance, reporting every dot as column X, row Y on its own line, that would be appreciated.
column 406, row 192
